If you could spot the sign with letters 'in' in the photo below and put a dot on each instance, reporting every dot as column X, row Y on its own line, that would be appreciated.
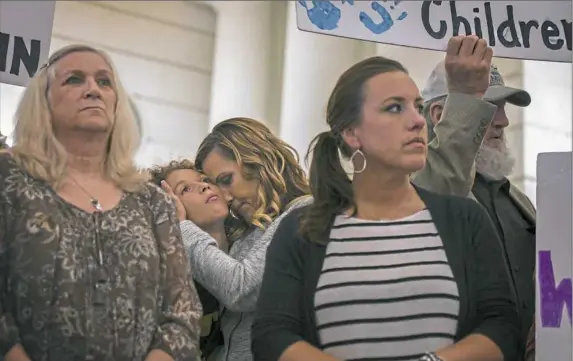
column 535, row 30
column 25, row 35
column 554, row 257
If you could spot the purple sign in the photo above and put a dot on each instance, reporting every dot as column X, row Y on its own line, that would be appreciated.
column 553, row 297
column 554, row 253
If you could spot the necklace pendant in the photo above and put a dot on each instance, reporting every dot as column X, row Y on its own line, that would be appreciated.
column 96, row 205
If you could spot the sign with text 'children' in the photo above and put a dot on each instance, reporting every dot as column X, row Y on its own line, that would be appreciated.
column 25, row 35
column 554, row 255
column 536, row 30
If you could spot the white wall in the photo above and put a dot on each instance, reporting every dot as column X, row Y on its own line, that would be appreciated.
column 163, row 51
column 9, row 96
column 548, row 120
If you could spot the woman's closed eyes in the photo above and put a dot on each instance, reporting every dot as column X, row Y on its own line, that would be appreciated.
column 224, row 180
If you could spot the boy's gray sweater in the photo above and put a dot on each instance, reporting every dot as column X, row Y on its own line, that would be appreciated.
column 234, row 279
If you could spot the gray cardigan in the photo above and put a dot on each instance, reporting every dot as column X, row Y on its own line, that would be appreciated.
column 234, row 279
column 285, row 313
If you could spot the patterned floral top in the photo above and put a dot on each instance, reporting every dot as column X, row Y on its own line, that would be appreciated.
column 101, row 286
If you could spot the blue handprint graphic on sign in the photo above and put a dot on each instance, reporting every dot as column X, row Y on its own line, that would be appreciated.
column 386, row 23
column 323, row 14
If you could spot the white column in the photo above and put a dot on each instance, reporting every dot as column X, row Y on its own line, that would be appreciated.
column 313, row 63
column 418, row 62
column 9, row 99
column 241, row 64
column 547, row 120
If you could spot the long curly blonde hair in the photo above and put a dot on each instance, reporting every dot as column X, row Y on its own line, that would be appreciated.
column 260, row 155
column 39, row 152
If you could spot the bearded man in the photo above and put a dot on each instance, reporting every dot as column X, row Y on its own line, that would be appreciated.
column 482, row 163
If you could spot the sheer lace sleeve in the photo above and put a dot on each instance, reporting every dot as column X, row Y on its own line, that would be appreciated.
column 179, row 330
column 8, row 330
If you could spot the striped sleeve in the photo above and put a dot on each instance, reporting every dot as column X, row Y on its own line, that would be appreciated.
column 530, row 346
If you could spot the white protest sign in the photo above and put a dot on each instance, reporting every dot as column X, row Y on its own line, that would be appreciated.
column 536, row 30
column 25, row 35
column 554, row 253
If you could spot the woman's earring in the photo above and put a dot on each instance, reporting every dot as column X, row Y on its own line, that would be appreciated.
column 232, row 214
column 358, row 151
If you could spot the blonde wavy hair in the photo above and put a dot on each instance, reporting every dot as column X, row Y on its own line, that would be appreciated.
column 36, row 148
column 260, row 155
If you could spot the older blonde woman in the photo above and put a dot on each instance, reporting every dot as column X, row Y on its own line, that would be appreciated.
column 92, row 261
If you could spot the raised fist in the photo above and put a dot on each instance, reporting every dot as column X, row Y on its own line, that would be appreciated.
column 468, row 62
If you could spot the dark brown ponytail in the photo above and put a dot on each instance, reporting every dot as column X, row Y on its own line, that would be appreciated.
column 329, row 185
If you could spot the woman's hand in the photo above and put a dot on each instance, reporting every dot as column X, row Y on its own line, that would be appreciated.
column 181, row 212
column 158, row 355
column 16, row 353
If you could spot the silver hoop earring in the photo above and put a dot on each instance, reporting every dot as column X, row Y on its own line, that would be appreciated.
column 232, row 214
column 358, row 151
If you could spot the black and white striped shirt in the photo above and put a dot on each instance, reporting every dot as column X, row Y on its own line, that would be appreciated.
column 386, row 290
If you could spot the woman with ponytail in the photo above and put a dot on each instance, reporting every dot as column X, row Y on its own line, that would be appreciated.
column 377, row 268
